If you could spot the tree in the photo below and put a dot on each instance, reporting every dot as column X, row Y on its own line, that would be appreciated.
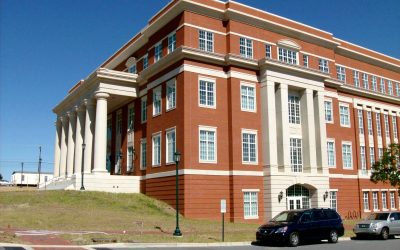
column 1, row 177
column 387, row 169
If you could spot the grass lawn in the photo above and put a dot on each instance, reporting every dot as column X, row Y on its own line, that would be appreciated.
column 119, row 215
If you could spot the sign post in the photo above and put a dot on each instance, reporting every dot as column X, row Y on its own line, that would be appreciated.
column 223, row 211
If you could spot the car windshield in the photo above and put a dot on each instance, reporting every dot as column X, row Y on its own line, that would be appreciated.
column 287, row 216
column 380, row 216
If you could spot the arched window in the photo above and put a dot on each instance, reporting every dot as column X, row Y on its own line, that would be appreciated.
column 297, row 197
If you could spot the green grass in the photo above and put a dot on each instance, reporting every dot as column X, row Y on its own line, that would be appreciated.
column 113, row 214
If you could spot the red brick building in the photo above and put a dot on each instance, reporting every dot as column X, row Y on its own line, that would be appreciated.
column 268, row 113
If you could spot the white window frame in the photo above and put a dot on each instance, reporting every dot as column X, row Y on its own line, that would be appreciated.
column 158, row 51
column 305, row 61
column 384, row 200
column 363, row 159
column 392, row 200
column 252, row 194
column 214, row 82
column 171, row 42
column 298, row 167
column 153, row 150
column 145, row 61
column 247, row 109
column 347, row 143
column 333, row 200
column 294, row 113
column 246, row 47
column 369, row 123
column 366, row 201
column 287, row 55
column 171, row 85
column 167, row 142
column 268, row 49
column 132, row 69
column 323, row 65
column 208, row 43
column 157, row 92
column 373, row 83
column 356, row 78
column 250, row 132
column 330, row 140
column 380, row 153
column 382, row 86
column 129, row 159
column 209, row 129
column 360, row 116
column 345, row 105
column 397, row 89
column 372, row 156
column 341, row 73
column 387, row 126
column 375, row 201
column 394, row 126
column 326, row 110
column 143, row 152
column 390, row 88
column 365, row 80
column 143, row 109
column 378, row 124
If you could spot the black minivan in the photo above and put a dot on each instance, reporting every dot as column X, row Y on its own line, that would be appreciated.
column 294, row 226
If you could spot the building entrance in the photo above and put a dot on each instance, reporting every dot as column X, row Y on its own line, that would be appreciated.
column 297, row 197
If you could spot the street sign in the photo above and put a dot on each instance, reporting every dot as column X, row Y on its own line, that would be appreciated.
column 223, row 206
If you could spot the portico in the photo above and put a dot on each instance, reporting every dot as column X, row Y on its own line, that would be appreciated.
column 82, row 118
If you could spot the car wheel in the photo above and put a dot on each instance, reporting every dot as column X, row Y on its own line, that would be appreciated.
column 333, row 236
column 384, row 233
column 294, row 239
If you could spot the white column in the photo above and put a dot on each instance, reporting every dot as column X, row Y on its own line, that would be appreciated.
column 269, row 142
column 63, row 154
column 80, row 126
column 89, row 130
column 71, row 143
column 320, row 129
column 100, row 133
column 308, row 131
column 282, row 112
column 57, row 148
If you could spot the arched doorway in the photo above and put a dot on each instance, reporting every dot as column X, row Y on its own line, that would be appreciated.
column 297, row 197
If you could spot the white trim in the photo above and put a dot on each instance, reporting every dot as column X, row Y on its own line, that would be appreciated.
column 348, row 143
column 204, row 172
column 250, row 190
column 317, row 56
column 212, row 129
column 156, row 134
column 143, row 100
column 155, row 92
column 169, row 83
column 370, row 74
column 202, row 28
column 141, row 151
column 254, row 132
column 250, row 37
column 334, row 152
column 212, row 80
column 333, row 119
column 341, row 104
column 167, row 131
column 251, row 85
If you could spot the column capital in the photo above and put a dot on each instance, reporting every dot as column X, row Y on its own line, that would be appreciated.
column 71, row 114
column 283, row 86
column 79, row 109
column 101, row 95
column 308, row 91
column 88, row 103
column 63, row 119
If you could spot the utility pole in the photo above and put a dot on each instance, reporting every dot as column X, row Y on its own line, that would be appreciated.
column 39, row 164
column 22, row 172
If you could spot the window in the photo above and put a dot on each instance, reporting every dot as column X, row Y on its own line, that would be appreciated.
column 305, row 61
column 132, row 69
column 145, row 61
column 392, row 201
column 268, row 51
column 143, row 108
column 330, row 145
column 246, row 47
column 171, row 94
column 346, row 156
column 390, row 88
column 171, row 145
column 380, row 153
column 365, row 81
column 369, row 122
column 360, row 122
column 341, row 73
column 130, row 159
column 157, row 149
column 296, row 155
column 22, row 177
column 333, row 199
column 248, row 97
column 397, row 89
column 363, row 159
column 157, row 52
column 157, row 101
column 143, row 153
column 356, row 79
column 287, row 56
column 372, row 155
column 131, row 117
column 323, row 65
column 328, row 112
column 249, row 146
column 366, row 201
column 207, row 93
column 250, row 205
column 373, row 83
column 378, row 124
column 206, row 40
column 171, row 43
column 344, row 115
column 382, row 87
column 394, row 125
column 384, row 200
column 294, row 109
column 375, row 200
column 207, row 145
column 387, row 129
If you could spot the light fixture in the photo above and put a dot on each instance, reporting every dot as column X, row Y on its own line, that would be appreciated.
column 326, row 195
column 280, row 196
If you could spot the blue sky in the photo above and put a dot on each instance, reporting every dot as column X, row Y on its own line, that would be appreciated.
column 46, row 46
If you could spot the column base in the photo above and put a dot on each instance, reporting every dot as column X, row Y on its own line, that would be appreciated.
column 99, row 171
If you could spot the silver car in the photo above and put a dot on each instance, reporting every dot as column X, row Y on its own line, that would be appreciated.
column 384, row 224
